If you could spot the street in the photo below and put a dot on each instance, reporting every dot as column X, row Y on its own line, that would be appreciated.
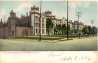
column 83, row 44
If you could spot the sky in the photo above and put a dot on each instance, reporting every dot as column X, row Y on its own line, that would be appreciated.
column 87, row 9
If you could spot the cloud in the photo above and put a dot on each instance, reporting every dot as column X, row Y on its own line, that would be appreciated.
column 72, row 10
column 75, row 6
column 23, row 7
column 3, row 15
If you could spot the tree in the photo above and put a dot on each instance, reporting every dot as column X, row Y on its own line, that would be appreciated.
column 84, row 30
column 58, row 29
column 64, row 29
column 87, row 30
column 94, row 30
column 49, row 25
column 61, row 29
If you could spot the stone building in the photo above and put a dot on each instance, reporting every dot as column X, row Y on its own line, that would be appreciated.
column 38, row 26
column 18, row 27
column 33, row 24
column 48, row 14
column 3, row 30
column 77, row 26
column 28, row 25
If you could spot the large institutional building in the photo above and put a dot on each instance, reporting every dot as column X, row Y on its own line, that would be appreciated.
column 25, row 26
column 33, row 23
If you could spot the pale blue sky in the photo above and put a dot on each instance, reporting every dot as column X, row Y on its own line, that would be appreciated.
column 88, row 9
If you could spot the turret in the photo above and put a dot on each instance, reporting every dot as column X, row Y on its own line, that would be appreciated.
column 34, row 9
column 12, row 13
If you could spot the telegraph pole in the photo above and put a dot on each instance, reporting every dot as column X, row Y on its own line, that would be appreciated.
column 67, row 22
column 40, row 21
column 78, row 27
column 92, row 22
column 4, row 28
column 27, row 22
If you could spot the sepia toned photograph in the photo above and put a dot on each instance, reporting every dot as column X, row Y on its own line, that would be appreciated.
column 48, row 25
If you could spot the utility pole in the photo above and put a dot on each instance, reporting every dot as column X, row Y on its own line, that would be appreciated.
column 67, row 22
column 27, row 23
column 4, row 28
column 92, row 22
column 78, row 27
column 40, row 21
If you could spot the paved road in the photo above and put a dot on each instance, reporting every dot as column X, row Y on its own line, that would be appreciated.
column 83, row 44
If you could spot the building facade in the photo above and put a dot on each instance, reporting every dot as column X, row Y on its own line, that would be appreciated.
column 38, row 23
column 28, row 25
column 78, row 26
column 34, row 24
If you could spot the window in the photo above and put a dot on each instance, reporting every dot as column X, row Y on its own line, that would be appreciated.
column 12, row 33
column 37, row 18
column 42, row 25
column 42, row 19
column 42, row 31
column 37, row 24
column 36, row 30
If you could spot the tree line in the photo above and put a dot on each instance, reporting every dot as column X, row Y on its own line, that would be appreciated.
column 62, row 29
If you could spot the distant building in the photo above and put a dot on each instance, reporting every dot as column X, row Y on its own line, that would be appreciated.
column 77, row 26
column 70, row 23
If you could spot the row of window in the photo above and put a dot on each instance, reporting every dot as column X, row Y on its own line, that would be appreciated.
column 37, row 25
column 37, row 18
column 37, row 31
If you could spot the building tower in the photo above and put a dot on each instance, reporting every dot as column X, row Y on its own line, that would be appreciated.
column 12, row 23
column 35, row 21
column 34, row 13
